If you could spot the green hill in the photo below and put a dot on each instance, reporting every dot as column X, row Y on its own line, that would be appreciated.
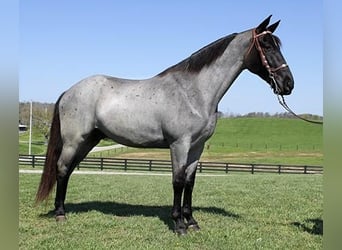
column 266, row 140
column 271, row 133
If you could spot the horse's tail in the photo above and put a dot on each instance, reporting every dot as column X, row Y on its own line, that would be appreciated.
column 48, row 178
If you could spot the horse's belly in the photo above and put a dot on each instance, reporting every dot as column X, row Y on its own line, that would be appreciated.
column 132, row 128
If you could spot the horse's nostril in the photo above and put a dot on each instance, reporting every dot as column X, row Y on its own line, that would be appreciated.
column 288, row 88
column 288, row 85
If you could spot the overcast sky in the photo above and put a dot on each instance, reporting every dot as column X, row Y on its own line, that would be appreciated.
column 62, row 42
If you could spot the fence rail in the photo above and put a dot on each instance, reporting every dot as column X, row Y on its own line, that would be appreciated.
column 165, row 165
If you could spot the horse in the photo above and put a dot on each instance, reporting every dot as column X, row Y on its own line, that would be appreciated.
column 176, row 109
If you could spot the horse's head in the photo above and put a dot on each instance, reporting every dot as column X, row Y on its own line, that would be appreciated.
column 264, row 58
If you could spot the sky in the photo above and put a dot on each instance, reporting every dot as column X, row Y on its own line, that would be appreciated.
column 62, row 42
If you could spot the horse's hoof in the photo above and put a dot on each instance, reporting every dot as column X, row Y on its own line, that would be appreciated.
column 181, row 232
column 194, row 227
column 60, row 218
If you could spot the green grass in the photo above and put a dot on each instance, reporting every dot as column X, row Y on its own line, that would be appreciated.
column 242, row 140
column 237, row 211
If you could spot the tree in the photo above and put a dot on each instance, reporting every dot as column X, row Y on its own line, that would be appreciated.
column 41, row 116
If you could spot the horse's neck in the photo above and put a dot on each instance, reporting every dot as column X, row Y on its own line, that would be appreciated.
column 214, row 81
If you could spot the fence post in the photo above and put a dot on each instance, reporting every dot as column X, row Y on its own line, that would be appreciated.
column 125, row 166
column 33, row 161
column 226, row 168
column 279, row 169
column 150, row 165
column 305, row 169
column 101, row 164
column 200, row 165
column 252, row 168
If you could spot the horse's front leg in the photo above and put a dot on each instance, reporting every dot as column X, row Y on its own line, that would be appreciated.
column 184, row 164
column 190, row 175
column 179, row 158
column 177, row 213
column 187, row 202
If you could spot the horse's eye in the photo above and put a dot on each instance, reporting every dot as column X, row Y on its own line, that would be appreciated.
column 268, row 48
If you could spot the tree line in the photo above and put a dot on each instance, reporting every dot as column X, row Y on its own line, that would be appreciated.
column 266, row 115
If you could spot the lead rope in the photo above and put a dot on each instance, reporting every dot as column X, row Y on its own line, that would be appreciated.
column 286, row 107
column 282, row 101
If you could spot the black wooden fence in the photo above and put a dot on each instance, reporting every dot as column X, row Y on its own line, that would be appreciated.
column 118, row 164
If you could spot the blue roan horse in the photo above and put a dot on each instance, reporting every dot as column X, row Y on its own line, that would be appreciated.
column 175, row 109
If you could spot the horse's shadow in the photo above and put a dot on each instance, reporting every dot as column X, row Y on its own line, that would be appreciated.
column 127, row 210
column 316, row 229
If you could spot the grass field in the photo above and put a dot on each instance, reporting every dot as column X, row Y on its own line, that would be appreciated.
column 237, row 211
column 242, row 140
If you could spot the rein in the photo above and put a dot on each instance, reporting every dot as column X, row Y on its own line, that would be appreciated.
column 271, row 72
column 282, row 102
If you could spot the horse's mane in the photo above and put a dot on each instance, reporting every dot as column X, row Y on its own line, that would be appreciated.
column 203, row 57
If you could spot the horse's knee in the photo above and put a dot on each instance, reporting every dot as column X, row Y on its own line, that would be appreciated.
column 179, row 177
column 189, row 183
column 62, row 170
column 178, row 185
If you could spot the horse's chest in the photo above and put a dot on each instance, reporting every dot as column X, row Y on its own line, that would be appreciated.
column 207, row 129
column 211, row 125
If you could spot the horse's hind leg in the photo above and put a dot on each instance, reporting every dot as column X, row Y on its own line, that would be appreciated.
column 72, row 154
column 65, row 166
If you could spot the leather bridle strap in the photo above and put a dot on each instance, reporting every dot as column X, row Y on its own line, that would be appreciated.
column 264, row 61
column 271, row 71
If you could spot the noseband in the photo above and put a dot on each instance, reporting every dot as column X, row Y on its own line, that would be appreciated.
column 271, row 71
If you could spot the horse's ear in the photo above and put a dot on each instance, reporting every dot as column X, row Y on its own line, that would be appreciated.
column 273, row 27
column 263, row 25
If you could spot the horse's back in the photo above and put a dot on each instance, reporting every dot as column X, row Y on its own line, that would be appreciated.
column 127, row 111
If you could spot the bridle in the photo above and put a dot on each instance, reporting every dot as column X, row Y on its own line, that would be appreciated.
column 272, row 71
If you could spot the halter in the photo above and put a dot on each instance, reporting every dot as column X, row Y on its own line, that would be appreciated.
column 271, row 72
